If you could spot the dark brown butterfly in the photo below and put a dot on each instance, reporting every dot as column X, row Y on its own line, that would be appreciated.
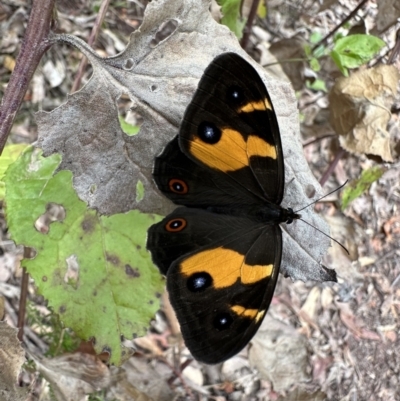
column 221, row 252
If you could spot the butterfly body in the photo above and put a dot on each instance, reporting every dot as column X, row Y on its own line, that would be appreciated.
column 221, row 249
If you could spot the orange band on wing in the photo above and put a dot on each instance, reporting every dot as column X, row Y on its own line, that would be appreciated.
column 225, row 266
column 256, row 146
column 231, row 152
column 241, row 310
column 258, row 105
column 251, row 313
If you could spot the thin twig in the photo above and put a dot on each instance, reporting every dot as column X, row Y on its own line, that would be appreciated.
column 348, row 18
column 249, row 24
column 33, row 47
column 396, row 49
column 93, row 36
column 317, row 139
column 22, row 304
column 332, row 167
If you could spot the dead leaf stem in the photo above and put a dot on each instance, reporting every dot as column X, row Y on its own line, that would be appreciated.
column 93, row 36
column 332, row 167
column 249, row 24
column 34, row 45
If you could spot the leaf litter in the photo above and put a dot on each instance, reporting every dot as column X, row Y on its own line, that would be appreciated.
column 344, row 365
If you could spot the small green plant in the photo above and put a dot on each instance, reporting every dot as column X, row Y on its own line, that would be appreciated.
column 348, row 52
column 51, row 330
column 359, row 186
column 355, row 50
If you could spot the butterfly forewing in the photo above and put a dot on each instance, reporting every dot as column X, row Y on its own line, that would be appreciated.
column 187, row 183
column 230, row 126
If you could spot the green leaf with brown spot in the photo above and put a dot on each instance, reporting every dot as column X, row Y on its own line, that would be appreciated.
column 94, row 270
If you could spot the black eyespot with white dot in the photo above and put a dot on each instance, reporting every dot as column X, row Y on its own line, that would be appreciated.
column 209, row 132
column 223, row 321
column 235, row 95
column 198, row 282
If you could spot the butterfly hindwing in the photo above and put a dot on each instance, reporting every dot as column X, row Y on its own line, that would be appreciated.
column 221, row 274
column 230, row 126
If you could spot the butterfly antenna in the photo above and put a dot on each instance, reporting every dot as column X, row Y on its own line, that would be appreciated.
column 322, row 197
column 326, row 235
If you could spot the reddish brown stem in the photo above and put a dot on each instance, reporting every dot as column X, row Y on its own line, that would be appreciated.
column 93, row 36
column 249, row 24
column 332, row 167
column 22, row 304
column 33, row 47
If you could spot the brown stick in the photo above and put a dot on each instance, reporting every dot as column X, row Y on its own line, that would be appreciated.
column 249, row 24
column 22, row 304
column 332, row 167
column 33, row 47
column 92, row 38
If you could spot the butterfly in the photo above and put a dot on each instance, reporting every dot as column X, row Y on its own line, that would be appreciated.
column 221, row 249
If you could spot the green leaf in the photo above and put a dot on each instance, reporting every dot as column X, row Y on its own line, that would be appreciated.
column 139, row 191
column 9, row 155
column 94, row 270
column 314, row 64
column 317, row 85
column 231, row 16
column 129, row 129
column 355, row 50
column 307, row 50
column 315, row 37
column 262, row 9
column 357, row 187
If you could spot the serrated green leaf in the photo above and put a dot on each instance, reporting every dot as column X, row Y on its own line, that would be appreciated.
column 355, row 50
column 357, row 187
column 115, row 292
column 9, row 155
column 231, row 16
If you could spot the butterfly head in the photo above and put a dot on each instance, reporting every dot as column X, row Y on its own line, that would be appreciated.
column 288, row 215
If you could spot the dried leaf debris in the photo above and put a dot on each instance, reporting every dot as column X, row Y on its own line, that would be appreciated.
column 346, row 333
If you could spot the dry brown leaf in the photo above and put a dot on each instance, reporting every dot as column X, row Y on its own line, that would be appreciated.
column 108, row 165
column 12, row 356
column 388, row 13
column 347, row 233
column 355, row 325
column 73, row 376
column 311, row 306
column 287, row 49
column 360, row 110
column 280, row 354
column 149, row 378
column 303, row 395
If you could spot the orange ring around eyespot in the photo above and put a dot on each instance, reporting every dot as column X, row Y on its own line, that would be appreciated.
column 172, row 229
column 173, row 181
